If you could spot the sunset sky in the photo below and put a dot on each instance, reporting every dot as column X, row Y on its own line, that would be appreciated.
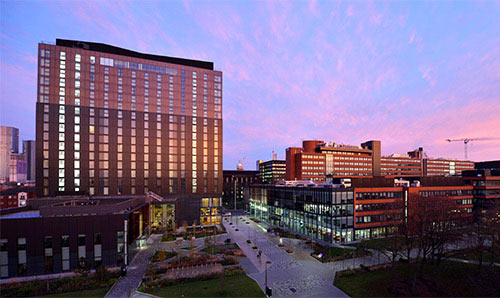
column 408, row 73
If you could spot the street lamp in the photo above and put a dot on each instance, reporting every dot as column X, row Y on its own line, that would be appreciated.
column 234, row 192
column 268, row 290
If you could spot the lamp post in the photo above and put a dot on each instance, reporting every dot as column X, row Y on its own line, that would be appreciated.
column 234, row 191
column 265, row 283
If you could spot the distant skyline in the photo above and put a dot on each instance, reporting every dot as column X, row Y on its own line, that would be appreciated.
column 408, row 73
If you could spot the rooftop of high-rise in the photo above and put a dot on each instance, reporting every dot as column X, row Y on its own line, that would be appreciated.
column 105, row 48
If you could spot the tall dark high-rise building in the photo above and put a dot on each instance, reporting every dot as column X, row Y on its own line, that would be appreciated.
column 29, row 152
column 112, row 121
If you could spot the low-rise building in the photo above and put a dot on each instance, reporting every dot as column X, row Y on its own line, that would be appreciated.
column 16, row 196
column 52, row 235
column 486, row 185
column 367, row 208
column 234, row 183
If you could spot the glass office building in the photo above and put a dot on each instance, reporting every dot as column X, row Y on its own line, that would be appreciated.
column 320, row 212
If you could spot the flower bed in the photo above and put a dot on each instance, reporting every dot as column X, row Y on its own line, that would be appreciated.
column 195, row 260
column 226, row 249
column 165, row 282
column 162, row 255
column 197, row 233
column 60, row 285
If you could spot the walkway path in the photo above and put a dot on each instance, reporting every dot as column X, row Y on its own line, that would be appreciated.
column 127, row 285
column 287, row 276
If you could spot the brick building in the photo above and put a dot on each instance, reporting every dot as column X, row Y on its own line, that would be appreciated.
column 111, row 121
column 16, row 196
column 319, row 161
column 51, row 235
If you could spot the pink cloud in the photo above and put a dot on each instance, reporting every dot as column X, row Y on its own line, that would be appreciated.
column 349, row 11
column 428, row 75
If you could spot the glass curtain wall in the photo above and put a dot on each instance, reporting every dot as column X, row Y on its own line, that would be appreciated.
column 322, row 213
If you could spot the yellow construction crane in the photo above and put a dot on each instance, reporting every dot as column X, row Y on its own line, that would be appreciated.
column 467, row 140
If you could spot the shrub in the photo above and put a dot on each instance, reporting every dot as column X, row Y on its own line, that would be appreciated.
column 61, row 285
column 248, row 241
column 254, row 247
column 234, row 271
column 161, row 256
column 229, row 261
column 101, row 274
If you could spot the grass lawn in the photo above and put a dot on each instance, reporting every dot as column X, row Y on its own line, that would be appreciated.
column 377, row 243
column 87, row 293
column 468, row 254
column 234, row 286
column 457, row 280
column 333, row 254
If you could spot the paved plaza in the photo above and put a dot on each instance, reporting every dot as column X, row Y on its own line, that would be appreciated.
column 287, row 276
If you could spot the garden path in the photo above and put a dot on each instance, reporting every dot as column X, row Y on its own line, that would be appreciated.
column 127, row 285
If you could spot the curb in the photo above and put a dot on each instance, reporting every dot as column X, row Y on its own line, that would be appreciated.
column 146, row 294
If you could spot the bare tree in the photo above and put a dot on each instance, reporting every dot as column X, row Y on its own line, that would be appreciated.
column 488, row 231
column 185, row 228
column 492, row 223
column 432, row 222
column 390, row 248
column 191, row 239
